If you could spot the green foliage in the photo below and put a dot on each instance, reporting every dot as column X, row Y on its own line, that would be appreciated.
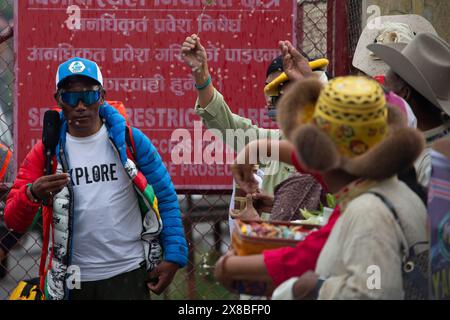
column 205, row 287
column 331, row 201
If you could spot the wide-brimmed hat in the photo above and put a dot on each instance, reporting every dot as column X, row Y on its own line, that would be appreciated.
column 351, row 128
column 387, row 29
column 424, row 64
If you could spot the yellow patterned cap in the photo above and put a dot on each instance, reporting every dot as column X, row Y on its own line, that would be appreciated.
column 352, row 111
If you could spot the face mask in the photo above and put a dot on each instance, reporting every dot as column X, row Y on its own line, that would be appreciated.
column 272, row 114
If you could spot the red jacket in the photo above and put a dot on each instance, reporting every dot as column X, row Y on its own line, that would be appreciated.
column 285, row 263
column 19, row 210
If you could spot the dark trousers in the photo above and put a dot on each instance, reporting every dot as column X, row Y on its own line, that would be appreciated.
column 126, row 286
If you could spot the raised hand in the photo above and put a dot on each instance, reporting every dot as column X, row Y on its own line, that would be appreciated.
column 295, row 65
column 193, row 53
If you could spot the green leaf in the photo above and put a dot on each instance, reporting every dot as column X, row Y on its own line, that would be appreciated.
column 331, row 201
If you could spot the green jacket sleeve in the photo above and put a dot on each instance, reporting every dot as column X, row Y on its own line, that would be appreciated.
column 217, row 115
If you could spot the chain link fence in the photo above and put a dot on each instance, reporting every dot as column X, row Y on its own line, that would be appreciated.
column 324, row 29
column 331, row 29
column 354, row 11
column 6, row 72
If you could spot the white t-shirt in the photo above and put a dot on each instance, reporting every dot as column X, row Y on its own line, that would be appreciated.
column 107, row 220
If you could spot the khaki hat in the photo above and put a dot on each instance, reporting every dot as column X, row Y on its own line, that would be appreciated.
column 424, row 64
column 391, row 29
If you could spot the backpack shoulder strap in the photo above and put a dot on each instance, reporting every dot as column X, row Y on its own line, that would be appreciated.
column 409, row 251
column 390, row 206
column 6, row 161
column 131, row 149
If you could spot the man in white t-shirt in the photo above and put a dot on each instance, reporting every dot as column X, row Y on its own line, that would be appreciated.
column 109, row 206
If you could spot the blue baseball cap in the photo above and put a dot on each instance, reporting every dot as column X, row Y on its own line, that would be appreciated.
column 78, row 67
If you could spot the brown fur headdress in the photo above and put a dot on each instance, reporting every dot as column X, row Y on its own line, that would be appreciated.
column 329, row 147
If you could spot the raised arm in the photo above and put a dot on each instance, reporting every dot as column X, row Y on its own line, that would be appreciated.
column 195, row 56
